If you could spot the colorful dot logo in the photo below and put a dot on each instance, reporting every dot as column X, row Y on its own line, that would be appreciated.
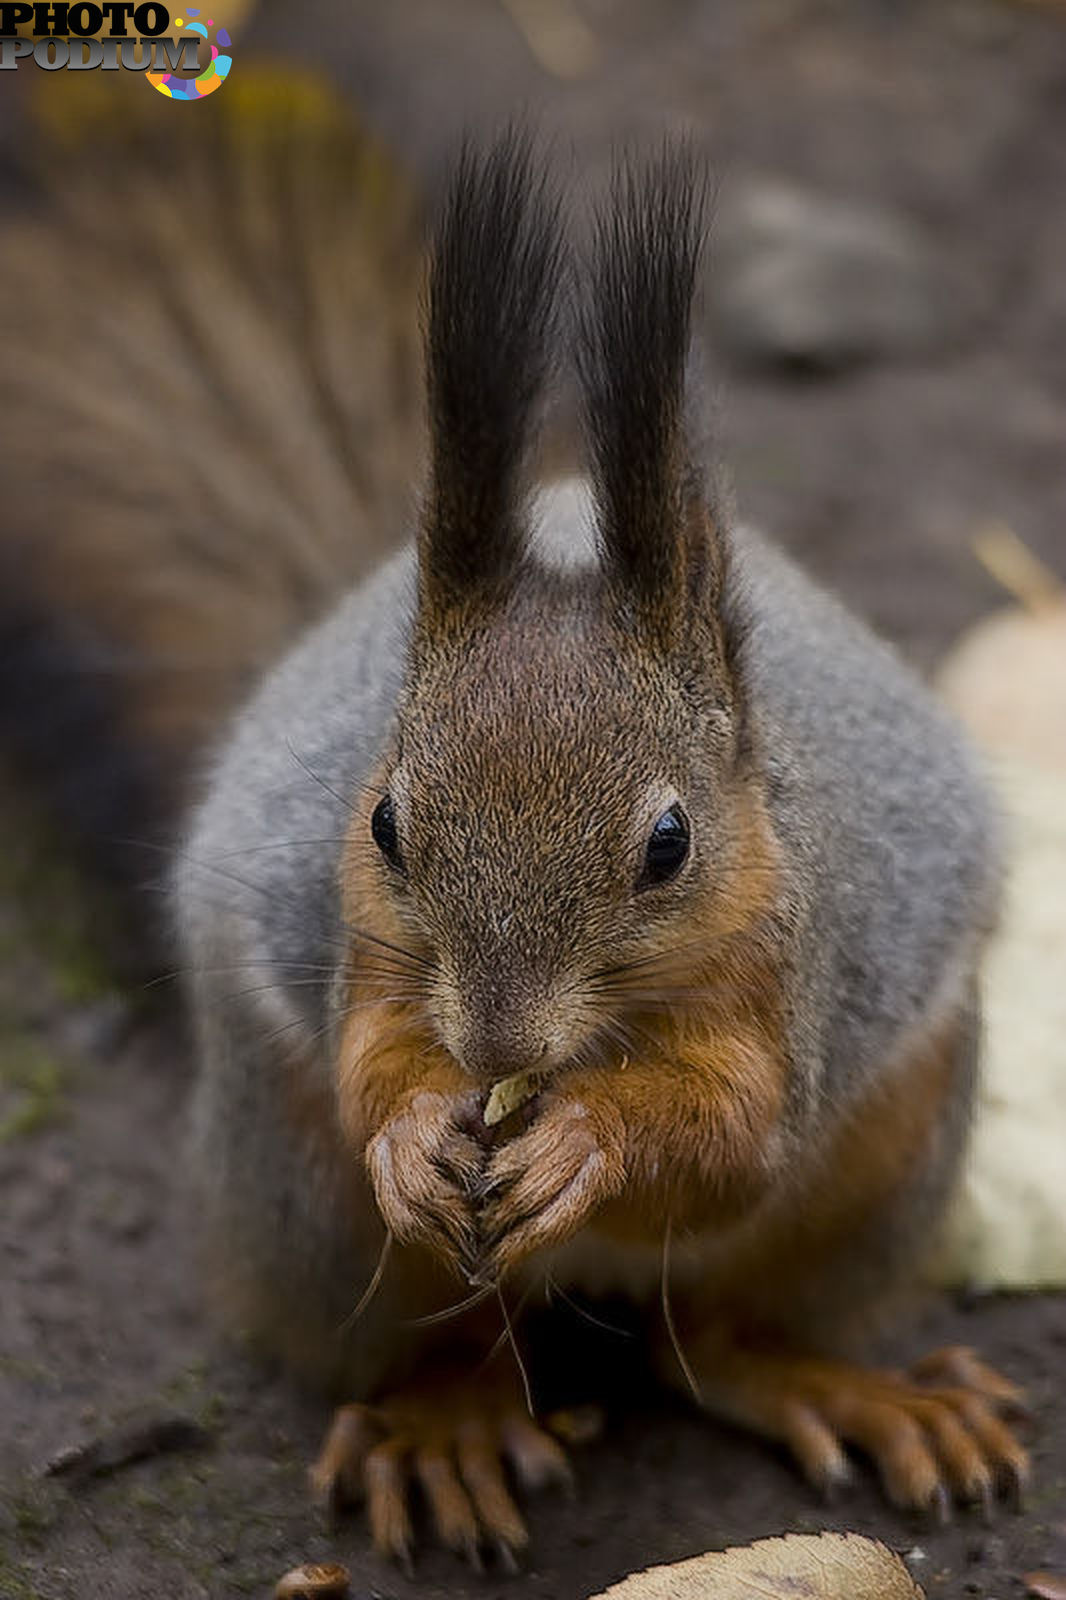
column 214, row 74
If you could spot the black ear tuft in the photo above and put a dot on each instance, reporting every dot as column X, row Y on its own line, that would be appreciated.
column 633, row 350
column 489, row 332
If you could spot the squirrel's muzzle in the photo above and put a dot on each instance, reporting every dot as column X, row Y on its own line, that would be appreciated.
column 495, row 1046
column 498, row 1029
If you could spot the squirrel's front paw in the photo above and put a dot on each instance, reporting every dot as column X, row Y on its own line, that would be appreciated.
column 425, row 1167
column 542, row 1186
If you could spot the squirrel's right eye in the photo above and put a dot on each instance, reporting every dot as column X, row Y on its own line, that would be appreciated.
column 383, row 829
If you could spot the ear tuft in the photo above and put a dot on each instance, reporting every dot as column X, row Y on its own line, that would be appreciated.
column 658, row 541
column 489, row 333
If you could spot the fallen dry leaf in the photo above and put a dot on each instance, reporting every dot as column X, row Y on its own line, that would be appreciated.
column 1007, row 681
column 1045, row 1585
column 827, row 1566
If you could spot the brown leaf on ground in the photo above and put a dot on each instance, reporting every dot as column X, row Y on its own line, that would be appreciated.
column 828, row 1566
column 1005, row 680
column 1045, row 1585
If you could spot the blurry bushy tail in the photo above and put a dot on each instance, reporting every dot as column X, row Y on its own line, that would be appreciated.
column 209, row 384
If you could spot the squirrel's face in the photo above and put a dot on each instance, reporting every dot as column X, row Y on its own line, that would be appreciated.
column 554, row 811
column 562, row 799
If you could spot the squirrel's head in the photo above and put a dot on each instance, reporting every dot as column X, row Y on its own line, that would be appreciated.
column 566, row 797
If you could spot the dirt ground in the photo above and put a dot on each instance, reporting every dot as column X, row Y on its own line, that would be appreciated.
column 879, row 475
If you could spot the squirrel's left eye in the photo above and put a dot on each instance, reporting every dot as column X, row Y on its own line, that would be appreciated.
column 667, row 848
column 383, row 829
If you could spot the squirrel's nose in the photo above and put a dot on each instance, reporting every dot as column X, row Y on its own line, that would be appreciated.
column 499, row 1041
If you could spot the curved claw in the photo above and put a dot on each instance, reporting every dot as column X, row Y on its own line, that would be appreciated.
column 507, row 1558
column 939, row 1507
column 985, row 1500
column 1013, row 1481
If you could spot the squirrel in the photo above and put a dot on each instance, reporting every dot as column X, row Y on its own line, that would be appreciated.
column 585, row 782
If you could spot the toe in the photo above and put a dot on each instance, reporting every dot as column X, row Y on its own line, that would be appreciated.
column 337, row 1476
column 460, row 1159
column 961, row 1458
column 1008, row 1461
column 449, row 1504
column 522, row 1224
column 482, row 1472
column 905, row 1462
column 959, row 1366
column 538, row 1459
column 386, row 1493
column 816, row 1448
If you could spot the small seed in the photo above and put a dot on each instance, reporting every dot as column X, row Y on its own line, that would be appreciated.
column 509, row 1095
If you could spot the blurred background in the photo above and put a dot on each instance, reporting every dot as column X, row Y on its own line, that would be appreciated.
column 885, row 311
column 886, row 295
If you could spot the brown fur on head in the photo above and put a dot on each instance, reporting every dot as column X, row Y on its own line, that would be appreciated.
column 551, row 720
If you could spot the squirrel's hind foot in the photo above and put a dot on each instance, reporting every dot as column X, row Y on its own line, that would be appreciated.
column 453, row 1440
column 935, row 1434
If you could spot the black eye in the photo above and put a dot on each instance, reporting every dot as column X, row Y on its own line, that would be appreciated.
column 667, row 848
column 383, row 828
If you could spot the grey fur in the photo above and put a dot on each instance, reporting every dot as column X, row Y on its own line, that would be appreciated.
column 887, row 840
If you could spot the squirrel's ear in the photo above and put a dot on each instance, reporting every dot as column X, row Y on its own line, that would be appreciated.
column 662, row 549
column 489, row 326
